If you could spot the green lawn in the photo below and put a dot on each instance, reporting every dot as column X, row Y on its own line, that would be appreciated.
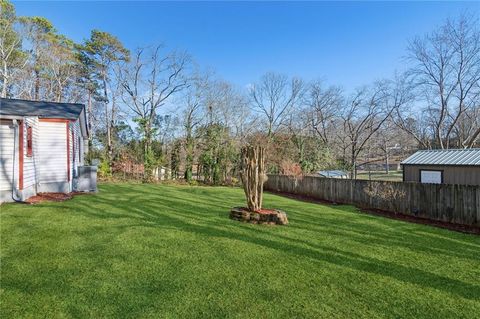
column 143, row 251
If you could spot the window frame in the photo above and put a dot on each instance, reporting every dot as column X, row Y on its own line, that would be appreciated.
column 431, row 170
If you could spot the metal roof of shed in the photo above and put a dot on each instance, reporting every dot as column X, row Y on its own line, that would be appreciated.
column 470, row 156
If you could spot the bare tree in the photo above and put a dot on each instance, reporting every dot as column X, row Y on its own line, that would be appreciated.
column 194, row 102
column 226, row 105
column 446, row 70
column 275, row 96
column 299, row 130
column 323, row 105
column 362, row 117
column 406, row 115
column 148, row 83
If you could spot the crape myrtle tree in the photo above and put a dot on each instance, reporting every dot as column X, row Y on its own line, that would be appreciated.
column 253, row 175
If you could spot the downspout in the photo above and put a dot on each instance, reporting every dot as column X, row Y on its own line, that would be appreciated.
column 14, row 184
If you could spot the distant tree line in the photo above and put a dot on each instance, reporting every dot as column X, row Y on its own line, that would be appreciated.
column 156, row 107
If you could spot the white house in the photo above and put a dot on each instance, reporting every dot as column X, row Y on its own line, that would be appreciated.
column 42, row 144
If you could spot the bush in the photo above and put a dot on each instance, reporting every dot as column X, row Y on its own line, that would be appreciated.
column 104, row 170
column 291, row 168
column 193, row 182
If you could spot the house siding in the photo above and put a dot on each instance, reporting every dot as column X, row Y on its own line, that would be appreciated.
column 7, row 147
column 52, row 155
column 47, row 169
column 75, row 158
column 29, row 162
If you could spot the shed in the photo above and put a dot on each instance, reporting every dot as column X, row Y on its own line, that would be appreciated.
column 42, row 144
column 452, row 166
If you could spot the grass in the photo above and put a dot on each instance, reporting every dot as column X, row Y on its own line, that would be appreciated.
column 392, row 176
column 143, row 251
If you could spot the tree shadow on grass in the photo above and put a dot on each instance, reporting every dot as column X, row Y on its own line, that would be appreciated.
column 339, row 221
column 167, row 214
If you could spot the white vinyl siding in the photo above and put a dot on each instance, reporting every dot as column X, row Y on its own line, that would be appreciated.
column 73, row 149
column 52, row 152
column 6, row 156
column 76, row 155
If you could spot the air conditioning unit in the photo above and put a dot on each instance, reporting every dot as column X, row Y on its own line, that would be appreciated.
column 86, row 179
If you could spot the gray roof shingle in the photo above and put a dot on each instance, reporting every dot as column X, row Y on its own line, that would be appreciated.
column 42, row 109
column 470, row 156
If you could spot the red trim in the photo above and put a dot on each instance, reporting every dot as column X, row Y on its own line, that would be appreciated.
column 54, row 120
column 20, row 156
column 68, row 152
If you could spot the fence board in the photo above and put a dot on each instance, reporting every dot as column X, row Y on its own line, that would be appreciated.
column 449, row 203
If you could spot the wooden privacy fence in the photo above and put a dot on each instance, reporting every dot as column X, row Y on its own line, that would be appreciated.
column 458, row 204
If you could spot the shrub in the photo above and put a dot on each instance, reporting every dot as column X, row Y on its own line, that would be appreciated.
column 385, row 191
column 104, row 170
column 288, row 167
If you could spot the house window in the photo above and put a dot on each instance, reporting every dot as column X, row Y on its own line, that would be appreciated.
column 29, row 141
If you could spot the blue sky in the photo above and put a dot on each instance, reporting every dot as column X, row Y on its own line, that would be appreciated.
column 344, row 43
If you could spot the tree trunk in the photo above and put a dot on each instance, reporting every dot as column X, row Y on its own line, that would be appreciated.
column 5, row 80
column 59, row 93
column 109, row 137
column 353, row 163
column 147, row 156
column 253, row 175
column 189, row 157
column 387, row 168
column 37, row 85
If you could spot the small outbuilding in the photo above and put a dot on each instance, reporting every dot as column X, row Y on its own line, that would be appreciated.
column 42, row 147
column 452, row 166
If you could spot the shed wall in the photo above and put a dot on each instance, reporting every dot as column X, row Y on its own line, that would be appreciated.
column 462, row 175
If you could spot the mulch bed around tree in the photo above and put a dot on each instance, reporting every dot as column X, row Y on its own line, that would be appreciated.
column 261, row 216
column 51, row 197
column 469, row 229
